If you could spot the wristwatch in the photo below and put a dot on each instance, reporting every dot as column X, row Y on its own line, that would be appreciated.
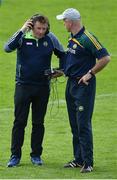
column 90, row 72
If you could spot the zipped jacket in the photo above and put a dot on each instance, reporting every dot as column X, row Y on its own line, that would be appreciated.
column 34, row 56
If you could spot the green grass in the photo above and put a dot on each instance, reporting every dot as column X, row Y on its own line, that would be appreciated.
column 100, row 18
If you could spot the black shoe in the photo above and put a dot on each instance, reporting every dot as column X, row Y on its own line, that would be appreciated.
column 14, row 161
column 86, row 169
column 72, row 164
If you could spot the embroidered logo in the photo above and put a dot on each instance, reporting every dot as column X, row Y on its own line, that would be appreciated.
column 45, row 43
column 74, row 46
column 29, row 43
column 81, row 108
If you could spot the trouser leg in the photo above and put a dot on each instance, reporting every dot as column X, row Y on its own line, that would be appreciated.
column 39, row 107
column 22, row 105
column 85, row 103
column 71, row 107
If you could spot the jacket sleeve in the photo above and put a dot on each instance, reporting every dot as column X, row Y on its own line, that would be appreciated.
column 58, row 50
column 14, row 42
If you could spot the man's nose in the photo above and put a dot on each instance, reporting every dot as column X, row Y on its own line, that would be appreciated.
column 41, row 31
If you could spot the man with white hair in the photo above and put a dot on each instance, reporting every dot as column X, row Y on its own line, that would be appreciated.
column 81, row 68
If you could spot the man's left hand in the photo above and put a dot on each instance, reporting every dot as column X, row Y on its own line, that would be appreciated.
column 85, row 78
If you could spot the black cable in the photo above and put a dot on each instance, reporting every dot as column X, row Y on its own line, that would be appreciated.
column 54, row 89
column 54, row 96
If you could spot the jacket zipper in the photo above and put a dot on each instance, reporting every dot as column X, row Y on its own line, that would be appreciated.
column 37, row 42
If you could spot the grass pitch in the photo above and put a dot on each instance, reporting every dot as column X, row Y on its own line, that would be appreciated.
column 99, row 17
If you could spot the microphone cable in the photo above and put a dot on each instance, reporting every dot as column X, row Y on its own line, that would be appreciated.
column 54, row 97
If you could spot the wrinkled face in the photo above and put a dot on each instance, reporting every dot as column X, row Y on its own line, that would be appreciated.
column 39, row 29
column 68, row 24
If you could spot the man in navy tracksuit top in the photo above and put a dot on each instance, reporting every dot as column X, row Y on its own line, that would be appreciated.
column 81, row 67
column 34, row 51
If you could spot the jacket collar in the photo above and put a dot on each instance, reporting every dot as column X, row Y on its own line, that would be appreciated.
column 79, row 33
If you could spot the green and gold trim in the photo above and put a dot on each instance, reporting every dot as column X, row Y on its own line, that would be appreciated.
column 76, row 41
column 93, row 40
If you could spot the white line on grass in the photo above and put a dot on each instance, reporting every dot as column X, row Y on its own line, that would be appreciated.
column 106, row 95
column 62, row 101
column 113, row 55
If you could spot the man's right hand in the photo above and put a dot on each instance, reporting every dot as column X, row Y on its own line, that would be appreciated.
column 57, row 73
column 27, row 25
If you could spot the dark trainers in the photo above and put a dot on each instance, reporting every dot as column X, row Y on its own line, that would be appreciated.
column 36, row 161
column 72, row 164
column 86, row 169
column 14, row 161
